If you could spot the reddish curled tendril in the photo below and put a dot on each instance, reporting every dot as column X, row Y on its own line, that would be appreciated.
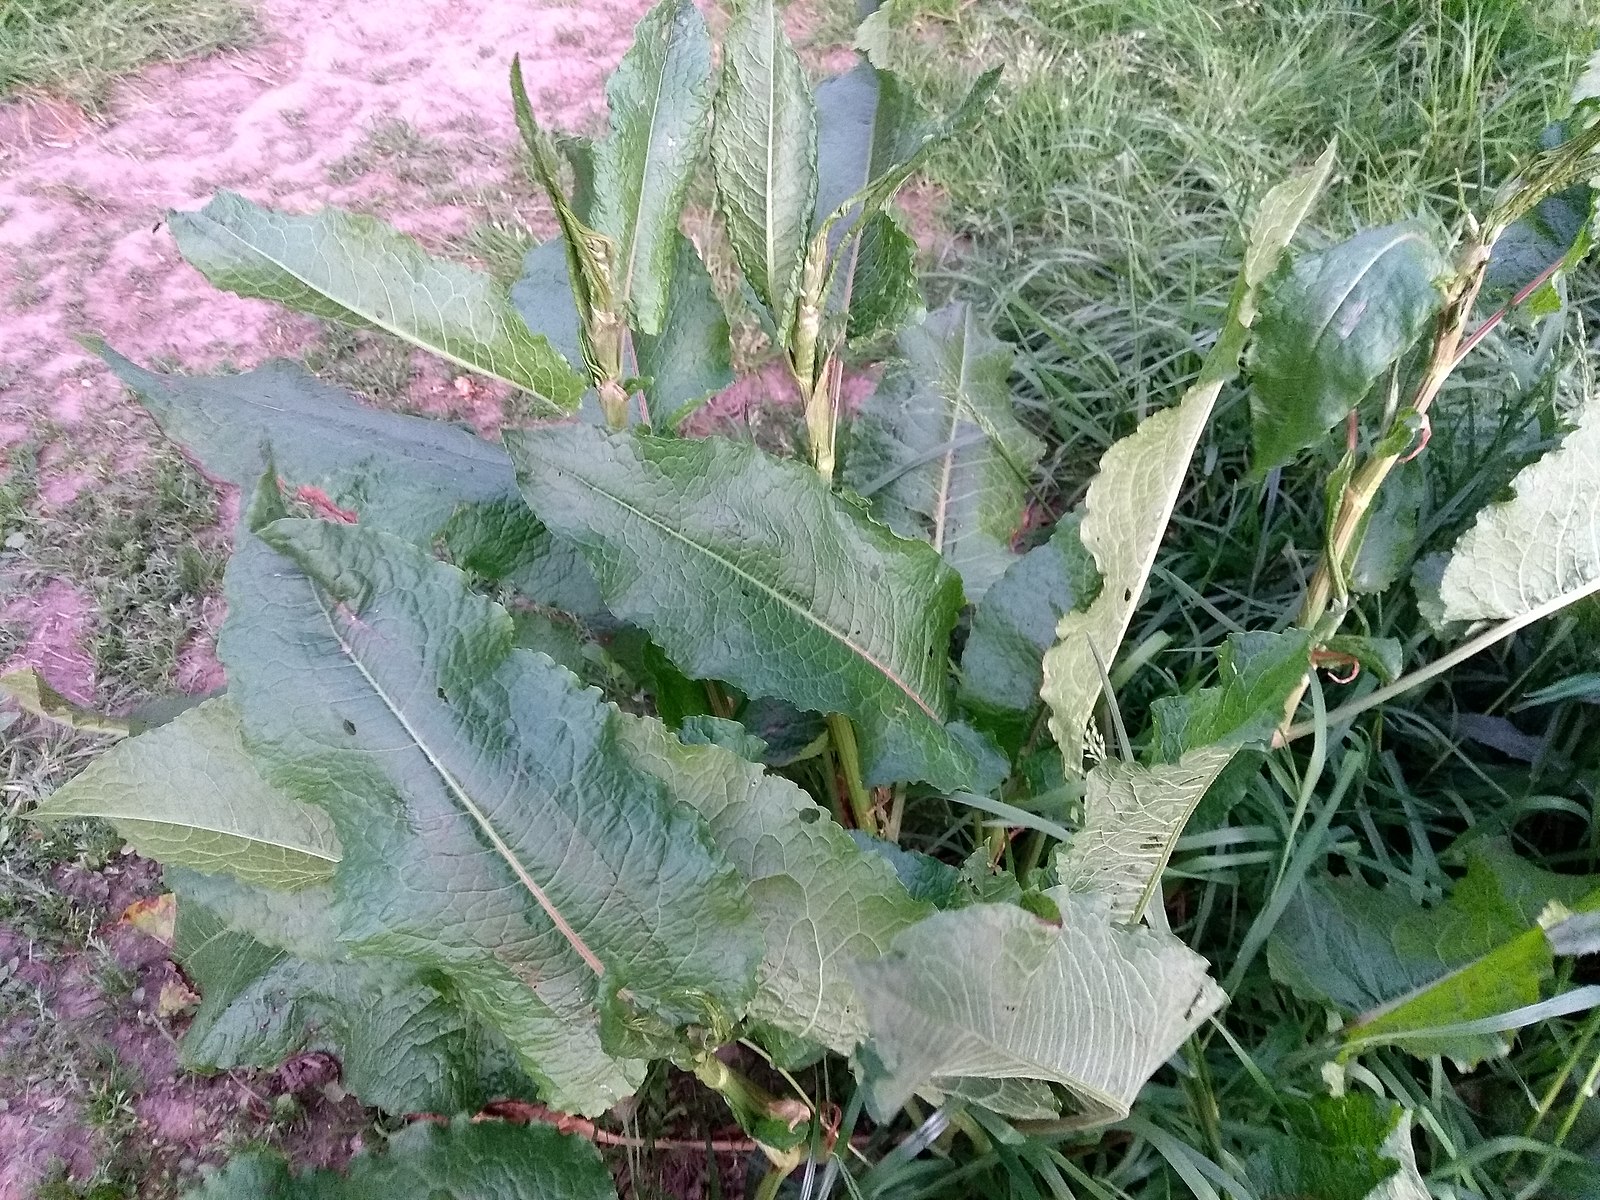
column 1329, row 660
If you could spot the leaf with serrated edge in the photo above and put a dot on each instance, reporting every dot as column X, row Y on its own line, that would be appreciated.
column 354, row 268
column 189, row 793
column 483, row 1160
column 422, row 480
column 660, row 97
column 1538, row 547
column 993, row 992
column 938, row 451
column 493, row 832
column 820, row 900
column 689, row 359
column 1130, row 501
column 1132, row 818
column 764, row 155
column 747, row 568
column 1329, row 328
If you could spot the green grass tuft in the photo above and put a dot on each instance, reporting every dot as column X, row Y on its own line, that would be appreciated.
column 77, row 48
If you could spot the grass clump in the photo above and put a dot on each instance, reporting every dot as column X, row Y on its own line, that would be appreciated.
column 78, row 48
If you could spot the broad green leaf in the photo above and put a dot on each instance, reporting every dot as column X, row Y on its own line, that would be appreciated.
column 660, row 97
column 749, row 569
column 189, row 793
column 1019, row 1099
column 1339, row 319
column 466, row 1160
column 544, row 300
column 425, row 481
column 764, row 156
column 33, row 694
column 821, row 902
column 924, row 876
column 993, row 992
column 689, row 359
column 1539, row 549
column 1402, row 971
column 1256, row 673
column 1132, row 818
column 1130, row 501
column 1002, row 666
column 1336, row 1148
column 494, row 832
column 938, row 452
column 403, row 1045
column 884, row 296
column 353, row 268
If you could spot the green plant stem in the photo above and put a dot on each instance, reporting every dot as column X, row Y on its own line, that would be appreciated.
column 767, row 1189
column 843, row 735
column 1460, row 654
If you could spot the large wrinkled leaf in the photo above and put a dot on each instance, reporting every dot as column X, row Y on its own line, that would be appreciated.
column 493, row 831
column 188, row 793
column 689, row 359
column 466, row 1160
column 938, row 451
column 402, row 1044
column 1403, row 972
column 1130, row 501
column 1132, row 817
column 354, row 268
column 821, row 902
column 1002, row 666
column 993, row 992
column 749, row 569
column 1256, row 673
column 660, row 96
column 764, row 155
column 422, row 480
column 1329, row 328
column 1543, row 544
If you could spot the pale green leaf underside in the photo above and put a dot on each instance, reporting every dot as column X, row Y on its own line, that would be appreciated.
column 354, row 268
column 503, row 839
column 1538, row 546
column 991, row 991
column 820, row 900
column 749, row 569
column 938, row 451
column 764, row 155
column 1130, row 501
column 188, row 793
column 689, row 359
column 1132, row 818
column 660, row 96
column 466, row 1160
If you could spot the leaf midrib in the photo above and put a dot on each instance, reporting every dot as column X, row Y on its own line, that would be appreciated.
column 387, row 326
column 645, row 172
column 783, row 598
column 465, row 800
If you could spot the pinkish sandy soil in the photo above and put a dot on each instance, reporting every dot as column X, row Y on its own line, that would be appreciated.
column 83, row 249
